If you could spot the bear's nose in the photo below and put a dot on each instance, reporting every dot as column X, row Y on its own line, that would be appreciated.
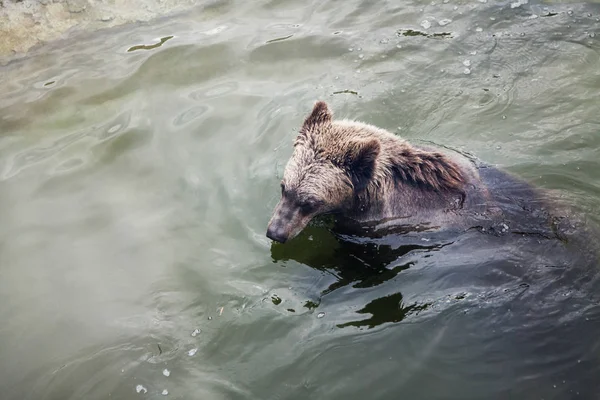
column 277, row 235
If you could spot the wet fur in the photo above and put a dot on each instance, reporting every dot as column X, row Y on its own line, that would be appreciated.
column 366, row 173
column 399, row 160
column 403, row 178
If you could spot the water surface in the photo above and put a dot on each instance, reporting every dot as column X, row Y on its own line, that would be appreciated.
column 139, row 167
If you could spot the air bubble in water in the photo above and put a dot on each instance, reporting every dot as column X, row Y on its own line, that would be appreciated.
column 479, row 29
column 570, row 12
column 384, row 41
column 192, row 352
column 166, row 372
column 474, row 52
column 140, row 389
column 361, row 56
column 592, row 34
column 320, row 315
column 196, row 332
column 467, row 63
column 350, row 49
column 518, row 3
column 426, row 24
column 444, row 22
column 115, row 128
column 445, row 1
column 466, row 71
column 165, row 392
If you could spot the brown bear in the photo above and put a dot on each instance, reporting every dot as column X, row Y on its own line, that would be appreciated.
column 367, row 174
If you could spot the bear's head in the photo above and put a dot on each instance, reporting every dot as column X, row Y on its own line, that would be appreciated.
column 327, row 170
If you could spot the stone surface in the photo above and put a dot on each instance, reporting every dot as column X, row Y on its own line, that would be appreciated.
column 28, row 23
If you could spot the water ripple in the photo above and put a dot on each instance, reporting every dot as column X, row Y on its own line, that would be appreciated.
column 136, row 189
column 190, row 115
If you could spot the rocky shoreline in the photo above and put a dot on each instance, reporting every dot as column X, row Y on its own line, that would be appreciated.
column 28, row 23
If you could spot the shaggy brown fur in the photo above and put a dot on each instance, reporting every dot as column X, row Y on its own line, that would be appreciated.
column 365, row 173
column 399, row 160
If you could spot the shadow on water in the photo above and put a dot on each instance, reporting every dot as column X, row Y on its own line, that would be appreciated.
column 359, row 264
column 385, row 309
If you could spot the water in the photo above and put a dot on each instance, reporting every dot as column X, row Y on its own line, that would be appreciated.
column 135, row 189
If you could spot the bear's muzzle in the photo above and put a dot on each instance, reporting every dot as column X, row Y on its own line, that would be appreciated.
column 277, row 234
column 287, row 221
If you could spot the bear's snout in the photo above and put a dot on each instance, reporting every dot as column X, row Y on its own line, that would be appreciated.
column 287, row 222
column 277, row 234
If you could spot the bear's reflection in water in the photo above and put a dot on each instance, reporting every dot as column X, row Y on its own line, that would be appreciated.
column 521, row 250
column 355, row 262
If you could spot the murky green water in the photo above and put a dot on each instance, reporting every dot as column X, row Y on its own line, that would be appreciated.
column 135, row 189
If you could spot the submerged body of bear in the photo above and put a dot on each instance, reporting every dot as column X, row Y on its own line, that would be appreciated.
column 368, row 175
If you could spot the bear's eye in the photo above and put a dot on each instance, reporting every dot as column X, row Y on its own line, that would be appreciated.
column 282, row 187
column 310, row 206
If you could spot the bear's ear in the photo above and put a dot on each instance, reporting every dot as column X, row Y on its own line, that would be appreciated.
column 321, row 114
column 361, row 158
